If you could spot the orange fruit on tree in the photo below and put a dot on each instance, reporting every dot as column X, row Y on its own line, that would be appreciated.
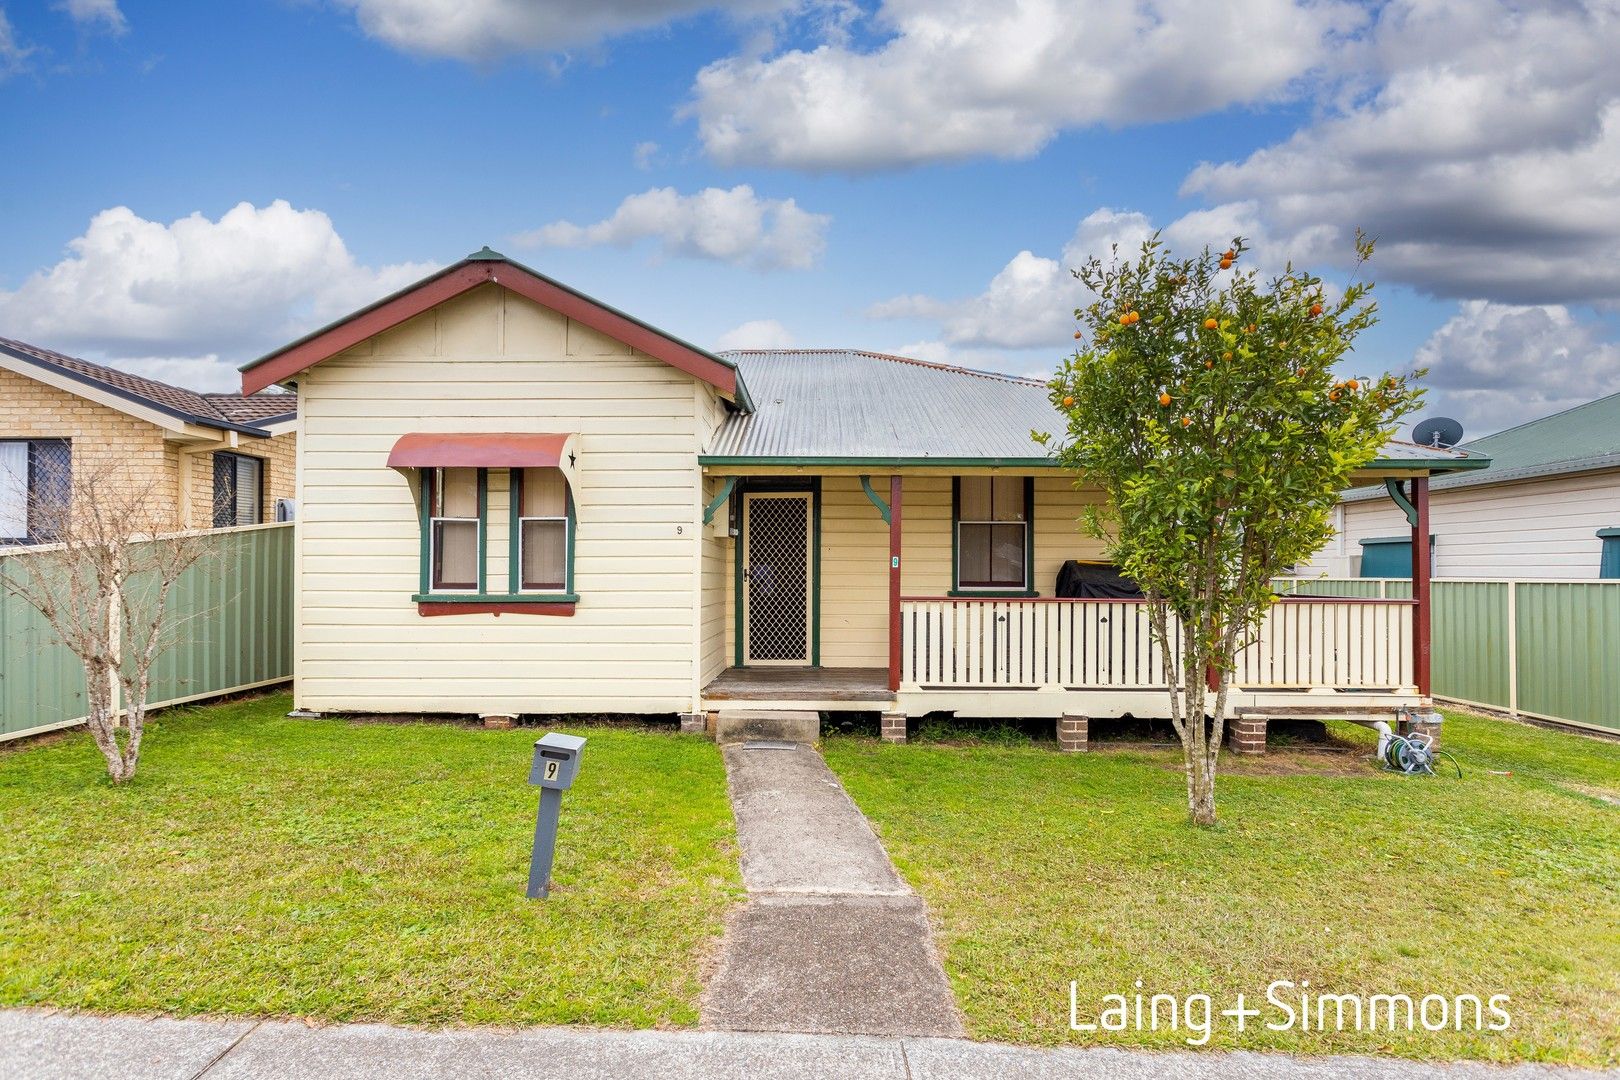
column 1251, row 328
column 1068, row 402
column 1164, row 399
column 1185, row 421
column 1316, row 309
column 1334, row 395
column 1209, row 363
column 1226, row 264
column 1229, row 254
column 1211, row 324
column 1226, row 356
column 1125, row 319
column 1353, row 384
column 1077, row 335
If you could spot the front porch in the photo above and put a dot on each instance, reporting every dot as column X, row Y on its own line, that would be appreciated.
column 827, row 575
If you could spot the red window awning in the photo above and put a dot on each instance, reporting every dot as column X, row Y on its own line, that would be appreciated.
column 485, row 450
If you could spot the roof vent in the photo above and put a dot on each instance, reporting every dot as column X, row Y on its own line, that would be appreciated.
column 1441, row 432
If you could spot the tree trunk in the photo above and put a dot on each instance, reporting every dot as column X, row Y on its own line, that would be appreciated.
column 1198, row 754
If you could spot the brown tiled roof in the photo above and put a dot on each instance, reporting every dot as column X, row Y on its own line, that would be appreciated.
column 237, row 412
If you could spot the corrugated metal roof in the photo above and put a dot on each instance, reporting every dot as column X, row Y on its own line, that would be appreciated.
column 235, row 412
column 818, row 403
column 832, row 404
column 1581, row 439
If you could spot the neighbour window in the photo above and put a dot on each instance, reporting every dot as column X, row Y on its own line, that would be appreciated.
column 453, row 504
column 1609, row 561
column 992, row 533
column 36, row 481
column 544, row 531
column 1390, row 557
column 238, row 490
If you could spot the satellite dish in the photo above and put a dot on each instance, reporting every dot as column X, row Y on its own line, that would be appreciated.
column 1438, row 431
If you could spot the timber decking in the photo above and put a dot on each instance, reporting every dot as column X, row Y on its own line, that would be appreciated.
column 807, row 683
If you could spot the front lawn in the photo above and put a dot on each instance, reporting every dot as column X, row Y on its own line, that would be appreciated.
column 1043, row 868
column 345, row 871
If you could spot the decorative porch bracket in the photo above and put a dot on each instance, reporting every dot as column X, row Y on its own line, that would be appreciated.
column 877, row 501
column 720, row 499
column 1393, row 486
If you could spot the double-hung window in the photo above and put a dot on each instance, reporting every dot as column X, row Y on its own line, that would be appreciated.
column 238, row 490
column 544, row 532
column 453, row 502
column 36, row 482
column 993, row 540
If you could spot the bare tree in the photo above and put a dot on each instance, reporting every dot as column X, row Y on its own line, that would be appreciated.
column 103, row 577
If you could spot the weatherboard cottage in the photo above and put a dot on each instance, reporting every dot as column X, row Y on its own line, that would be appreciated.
column 518, row 500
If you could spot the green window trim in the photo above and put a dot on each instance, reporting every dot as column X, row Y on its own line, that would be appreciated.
column 1609, row 562
column 494, row 598
column 425, row 525
column 992, row 592
column 514, row 551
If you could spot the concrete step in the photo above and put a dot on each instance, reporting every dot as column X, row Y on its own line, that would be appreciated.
column 745, row 725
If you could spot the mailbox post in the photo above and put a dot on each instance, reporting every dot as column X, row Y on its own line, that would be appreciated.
column 556, row 761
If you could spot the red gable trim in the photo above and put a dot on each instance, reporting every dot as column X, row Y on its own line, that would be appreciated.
column 487, row 450
column 324, row 344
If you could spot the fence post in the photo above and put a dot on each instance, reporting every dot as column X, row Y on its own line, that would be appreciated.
column 1513, row 647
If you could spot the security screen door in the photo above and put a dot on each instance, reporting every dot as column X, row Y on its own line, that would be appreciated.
column 777, row 535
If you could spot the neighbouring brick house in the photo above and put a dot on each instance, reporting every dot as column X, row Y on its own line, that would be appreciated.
column 218, row 459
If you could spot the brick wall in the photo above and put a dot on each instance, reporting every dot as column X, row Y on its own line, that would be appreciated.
column 280, row 459
column 102, row 437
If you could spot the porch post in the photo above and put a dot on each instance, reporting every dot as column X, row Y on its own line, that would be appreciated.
column 1420, row 583
column 894, row 582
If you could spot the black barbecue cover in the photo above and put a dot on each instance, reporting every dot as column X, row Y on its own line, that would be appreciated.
column 1094, row 581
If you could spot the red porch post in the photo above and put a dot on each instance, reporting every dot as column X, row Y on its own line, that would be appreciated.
column 1420, row 584
column 894, row 582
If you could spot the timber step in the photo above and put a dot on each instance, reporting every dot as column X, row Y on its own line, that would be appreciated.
column 749, row 725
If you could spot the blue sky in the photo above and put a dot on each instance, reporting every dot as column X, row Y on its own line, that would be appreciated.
column 912, row 176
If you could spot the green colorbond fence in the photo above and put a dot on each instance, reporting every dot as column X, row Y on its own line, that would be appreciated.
column 235, row 634
column 1547, row 649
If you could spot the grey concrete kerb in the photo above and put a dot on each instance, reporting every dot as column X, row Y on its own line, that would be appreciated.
column 42, row 1045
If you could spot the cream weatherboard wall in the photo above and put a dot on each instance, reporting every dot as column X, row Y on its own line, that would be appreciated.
column 1532, row 529
column 855, row 556
column 493, row 361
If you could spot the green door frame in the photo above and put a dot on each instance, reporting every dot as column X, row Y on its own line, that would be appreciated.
column 748, row 485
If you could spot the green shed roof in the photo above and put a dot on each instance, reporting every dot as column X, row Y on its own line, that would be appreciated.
column 1582, row 439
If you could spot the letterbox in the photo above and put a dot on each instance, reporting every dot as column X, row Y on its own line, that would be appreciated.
column 556, row 760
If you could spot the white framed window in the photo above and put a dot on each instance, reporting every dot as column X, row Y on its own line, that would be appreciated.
column 544, row 528
column 992, row 533
column 238, row 490
column 454, row 501
column 36, row 483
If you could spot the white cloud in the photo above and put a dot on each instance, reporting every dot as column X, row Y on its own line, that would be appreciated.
column 253, row 279
column 734, row 226
column 644, row 155
column 481, row 31
column 755, row 334
column 1485, row 157
column 963, row 78
column 1030, row 302
column 13, row 53
column 1494, row 365
column 104, row 14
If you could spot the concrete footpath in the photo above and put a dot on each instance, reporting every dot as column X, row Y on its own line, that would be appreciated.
column 42, row 1045
column 831, row 940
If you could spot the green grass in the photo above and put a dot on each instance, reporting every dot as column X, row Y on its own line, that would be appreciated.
column 1043, row 868
column 322, row 868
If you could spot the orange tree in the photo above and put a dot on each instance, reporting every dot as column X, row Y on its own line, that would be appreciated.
column 1208, row 409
